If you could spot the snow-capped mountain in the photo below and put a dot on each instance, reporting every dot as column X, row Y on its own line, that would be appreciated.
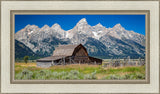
column 99, row 40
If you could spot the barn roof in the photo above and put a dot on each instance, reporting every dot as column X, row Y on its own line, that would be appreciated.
column 51, row 58
column 94, row 58
column 64, row 50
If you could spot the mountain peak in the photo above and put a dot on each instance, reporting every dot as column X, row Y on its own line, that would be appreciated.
column 45, row 26
column 118, row 26
column 28, row 26
column 55, row 25
column 99, row 25
column 82, row 21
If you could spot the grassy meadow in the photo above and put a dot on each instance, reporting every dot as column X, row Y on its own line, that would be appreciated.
column 29, row 71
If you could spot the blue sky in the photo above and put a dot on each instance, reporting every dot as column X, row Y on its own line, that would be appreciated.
column 129, row 22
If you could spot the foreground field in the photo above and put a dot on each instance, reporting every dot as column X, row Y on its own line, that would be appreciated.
column 83, row 71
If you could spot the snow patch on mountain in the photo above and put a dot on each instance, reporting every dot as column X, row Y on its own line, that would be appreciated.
column 30, row 32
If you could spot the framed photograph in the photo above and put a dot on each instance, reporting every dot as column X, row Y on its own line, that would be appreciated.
column 80, row 47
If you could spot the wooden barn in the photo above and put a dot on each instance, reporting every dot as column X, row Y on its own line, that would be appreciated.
column 68, row 54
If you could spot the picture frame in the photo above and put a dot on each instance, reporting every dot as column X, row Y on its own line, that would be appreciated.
column 9, row 9
column 103, row 12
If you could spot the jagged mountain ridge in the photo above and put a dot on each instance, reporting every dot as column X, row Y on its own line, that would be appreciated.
column 99, row 40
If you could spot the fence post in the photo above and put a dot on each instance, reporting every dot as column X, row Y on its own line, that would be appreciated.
column 64, row 61
column 139, row 61
column 128, row 59
column 70, row 60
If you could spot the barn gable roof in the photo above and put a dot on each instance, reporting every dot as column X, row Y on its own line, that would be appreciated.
column 65, row 50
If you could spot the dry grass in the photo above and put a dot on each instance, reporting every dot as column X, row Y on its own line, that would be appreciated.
column 26, row 65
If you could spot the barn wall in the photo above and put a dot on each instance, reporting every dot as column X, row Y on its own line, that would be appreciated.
column 80, row 55
column 81, row 52
column 81, row 60
column 98, row 61
column 44, row 64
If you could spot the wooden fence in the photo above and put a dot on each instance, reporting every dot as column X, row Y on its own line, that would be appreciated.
column 124, row 62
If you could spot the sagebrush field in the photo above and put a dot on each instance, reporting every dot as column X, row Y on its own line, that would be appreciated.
column 29, row 71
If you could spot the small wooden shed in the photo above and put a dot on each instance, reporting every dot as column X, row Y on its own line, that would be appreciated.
column 68, row 54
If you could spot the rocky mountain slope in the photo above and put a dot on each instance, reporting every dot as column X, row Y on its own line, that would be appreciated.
column 21, row 50
column 99, row 40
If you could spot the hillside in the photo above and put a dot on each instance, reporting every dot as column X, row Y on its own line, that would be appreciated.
column 21, row 50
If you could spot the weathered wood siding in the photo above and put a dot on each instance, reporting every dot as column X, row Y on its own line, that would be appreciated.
column 81, row 52
column 81, row 55
column 96, row 61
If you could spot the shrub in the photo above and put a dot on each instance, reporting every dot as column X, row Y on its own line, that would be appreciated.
column 18, row 76
column 55, row 75
column 74, row 72
column 134, row 76
column 113, row 77
column 42, row 74
column 26, row 59
column 93, row 74
column 88, row 76
column 67, row 77
column 25, row 75
column 140, row 76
